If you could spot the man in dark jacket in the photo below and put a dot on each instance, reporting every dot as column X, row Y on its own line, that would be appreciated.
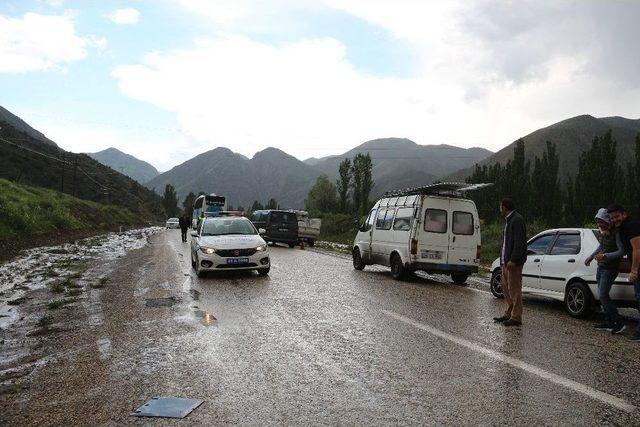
column 512, row 258
column 184, row 226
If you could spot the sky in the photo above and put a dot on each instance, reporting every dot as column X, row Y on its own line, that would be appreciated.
column 165, row 80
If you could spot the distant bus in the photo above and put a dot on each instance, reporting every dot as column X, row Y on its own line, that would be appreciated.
column 207, row 205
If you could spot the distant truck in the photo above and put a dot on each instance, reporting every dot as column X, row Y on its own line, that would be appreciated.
column 308, row 228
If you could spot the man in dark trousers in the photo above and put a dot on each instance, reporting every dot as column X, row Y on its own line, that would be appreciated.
column 512, row 258
column 184, row 226
column 629, row 230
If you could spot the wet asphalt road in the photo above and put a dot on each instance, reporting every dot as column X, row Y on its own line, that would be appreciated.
column 317, row 342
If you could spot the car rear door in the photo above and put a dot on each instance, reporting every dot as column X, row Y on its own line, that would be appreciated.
column 465, row 234
column 433, row 235
column 560, row 261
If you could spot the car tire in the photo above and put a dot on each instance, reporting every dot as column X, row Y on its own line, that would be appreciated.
column 264, row 271
column 311, row 243
column 459, row 278
column 495, row 285
column 397, row 268
column 193, row 263
column 578, row 300
column 358, row 263
column 291, row 245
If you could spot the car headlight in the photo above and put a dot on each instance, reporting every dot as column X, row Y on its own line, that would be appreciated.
column 261, row 248
column 207, row 250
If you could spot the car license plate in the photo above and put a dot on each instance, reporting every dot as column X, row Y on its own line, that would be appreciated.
column 237, row 261
column 431, row 254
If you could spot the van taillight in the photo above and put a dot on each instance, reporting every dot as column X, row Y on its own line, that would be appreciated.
column 478, row 252
column 414, row 247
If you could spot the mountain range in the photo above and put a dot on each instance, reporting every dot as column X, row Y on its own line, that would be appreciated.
column 272, row 173
column 20, row 125
column 133, row 167
column 571, row 137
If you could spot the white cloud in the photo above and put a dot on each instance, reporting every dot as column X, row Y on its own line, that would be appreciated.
column 486, row 78
column 40, row 42
column 127, row 15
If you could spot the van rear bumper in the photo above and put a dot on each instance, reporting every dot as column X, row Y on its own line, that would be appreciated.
column 443, row 268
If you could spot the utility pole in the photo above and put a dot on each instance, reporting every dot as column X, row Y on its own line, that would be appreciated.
column 62, row 180
column 75, row 167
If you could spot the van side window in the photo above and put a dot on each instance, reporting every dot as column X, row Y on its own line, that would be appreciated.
column 435, row 221
column 463, row 223
column 388, row 219
column 403, row 219
column 380, row 219
column 370, row 219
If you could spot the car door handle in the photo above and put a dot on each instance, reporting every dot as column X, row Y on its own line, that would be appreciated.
column 572, row 260
column 536, row 260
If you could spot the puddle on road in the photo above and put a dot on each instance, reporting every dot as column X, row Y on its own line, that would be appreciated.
column 205, row 317
column 161, row 302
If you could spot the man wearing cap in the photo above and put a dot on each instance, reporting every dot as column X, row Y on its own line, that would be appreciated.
column 629, row 230
column 608, row 255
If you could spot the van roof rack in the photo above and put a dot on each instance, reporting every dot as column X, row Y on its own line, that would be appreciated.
column 451, row 189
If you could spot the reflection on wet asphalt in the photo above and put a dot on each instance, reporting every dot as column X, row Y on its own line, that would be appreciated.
column 317, row 342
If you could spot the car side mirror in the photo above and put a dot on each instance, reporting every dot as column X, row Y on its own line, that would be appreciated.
column 262, row 231
column 194, row 234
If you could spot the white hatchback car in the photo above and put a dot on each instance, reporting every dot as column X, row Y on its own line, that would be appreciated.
column 555, row 269
column 173, row 223
column 228, row 243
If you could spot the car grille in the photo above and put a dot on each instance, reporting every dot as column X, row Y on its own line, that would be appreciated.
column 236, row 252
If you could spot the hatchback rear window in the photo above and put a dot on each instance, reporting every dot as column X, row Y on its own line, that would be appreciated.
column 283, row 217
column 463, row 223
column 435, row 221
column 566, row 244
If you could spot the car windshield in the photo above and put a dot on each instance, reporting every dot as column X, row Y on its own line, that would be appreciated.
column 172, row 220
column 224, row 226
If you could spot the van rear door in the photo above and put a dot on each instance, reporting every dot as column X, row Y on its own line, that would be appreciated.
column 465, row 233
column 433, row 234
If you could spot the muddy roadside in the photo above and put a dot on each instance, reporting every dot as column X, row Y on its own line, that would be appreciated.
column 89, row 331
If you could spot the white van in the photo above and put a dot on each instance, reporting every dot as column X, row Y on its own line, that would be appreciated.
column 431, row 228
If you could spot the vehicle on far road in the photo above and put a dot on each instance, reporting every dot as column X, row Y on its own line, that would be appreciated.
column 431, row 228
column 173, row 223
column 308, row 228
column 228, row 243
column 207, row 205
column 280, row 226
column 555, row 269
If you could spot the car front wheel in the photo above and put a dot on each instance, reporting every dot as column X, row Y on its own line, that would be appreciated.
column 264, row 271
column 496, row 284
column 578, row 300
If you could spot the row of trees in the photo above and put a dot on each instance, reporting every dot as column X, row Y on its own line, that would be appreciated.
column 350, row 194
column 542, row 195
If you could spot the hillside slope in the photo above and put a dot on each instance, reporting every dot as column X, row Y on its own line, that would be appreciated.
column 571, row 137
column 134, row 168
column 20, row 125
column 30, row 161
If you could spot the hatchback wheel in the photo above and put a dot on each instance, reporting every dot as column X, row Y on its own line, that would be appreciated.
column 358, row 264
column 496, row 284
column 578, row 300
column 397, row 269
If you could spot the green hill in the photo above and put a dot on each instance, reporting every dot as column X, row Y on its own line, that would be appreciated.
column 30, row 216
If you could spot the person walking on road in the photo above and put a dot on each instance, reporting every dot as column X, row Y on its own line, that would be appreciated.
column 184, row 226
column 608, row 255
column 629, row 230
column 512, row 258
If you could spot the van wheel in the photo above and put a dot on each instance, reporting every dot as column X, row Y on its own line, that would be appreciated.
column 496, row 283
column 459, row 278
column 291, row 245
column 358, row 264
column 311, row 243
column 578, row 300
column 397, row 269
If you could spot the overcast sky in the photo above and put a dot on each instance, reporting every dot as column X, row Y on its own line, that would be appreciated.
column 165, row 80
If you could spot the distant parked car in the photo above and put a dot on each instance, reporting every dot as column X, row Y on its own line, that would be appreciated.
column 173, row 223
column 555, row 269
column 280, row 226
column 228, row 243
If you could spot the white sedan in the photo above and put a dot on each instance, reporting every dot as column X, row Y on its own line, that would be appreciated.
column 555, row 269
column 228, row 243
column 173, row 223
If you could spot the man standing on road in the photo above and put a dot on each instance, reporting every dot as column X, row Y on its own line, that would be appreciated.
column 512, row 258
column 184, row 226
column 630, row 235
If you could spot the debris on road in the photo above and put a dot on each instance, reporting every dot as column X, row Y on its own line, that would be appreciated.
column 167, row 407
